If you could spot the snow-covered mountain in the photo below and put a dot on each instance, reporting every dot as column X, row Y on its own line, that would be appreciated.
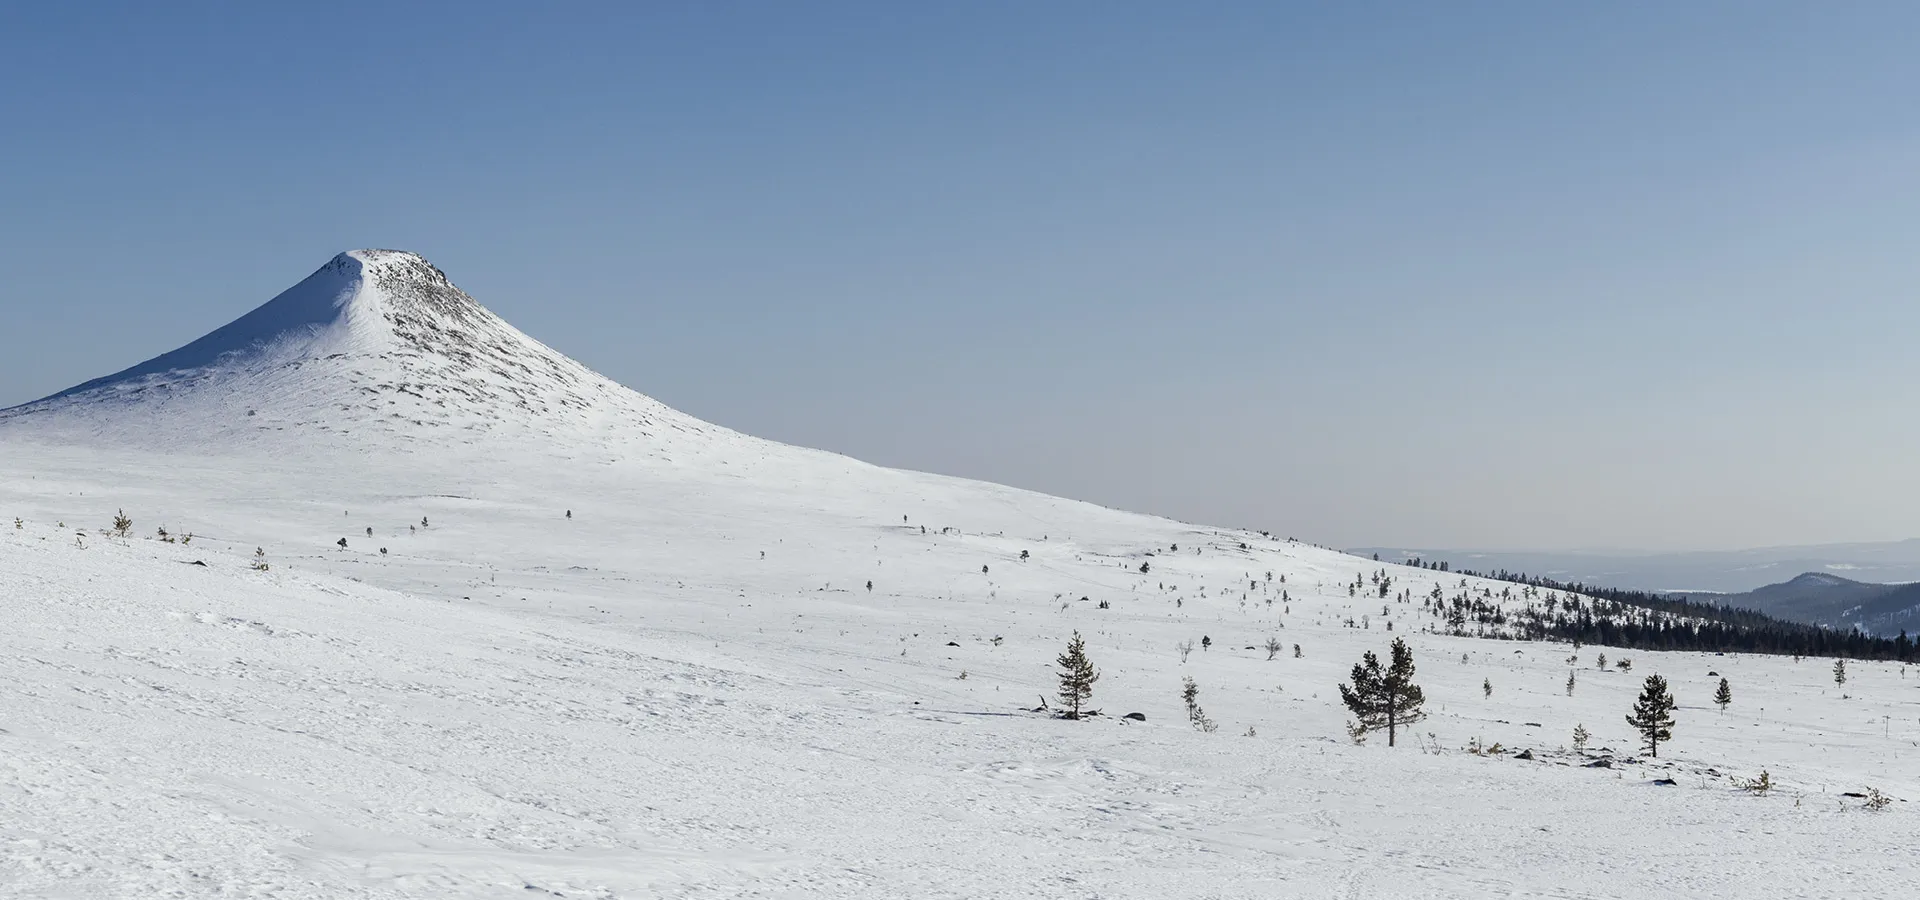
column 438, row 612
column 377, row 344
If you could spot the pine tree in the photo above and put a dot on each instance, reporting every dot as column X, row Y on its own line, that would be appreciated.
column 1486, row 687
column 1077, row 676
column 1190, row 694
column 1580, row 737
column 1653, row 714
column 1569, row 684
column 1386, row 699
column 1840, row 672
column 1724, row 695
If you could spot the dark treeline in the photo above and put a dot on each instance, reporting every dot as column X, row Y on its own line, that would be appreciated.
column 1647, row 621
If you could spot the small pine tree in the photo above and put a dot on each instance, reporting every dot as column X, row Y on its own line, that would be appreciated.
column 1077, row 676
column 1386, row 699
column 1602, row 661
column 1569, row 684
column 1580, row 737
column 1724, row 695
column 122, row 524
column 1840, row 672
column 1486, row 687
column 1653, row 714
column 1190, row 694
column 1274, row 647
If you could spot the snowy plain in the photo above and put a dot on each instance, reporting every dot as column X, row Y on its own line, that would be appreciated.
column 685, row 688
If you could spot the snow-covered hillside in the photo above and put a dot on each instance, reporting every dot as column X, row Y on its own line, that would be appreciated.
column 376, row 349
column 578, row 644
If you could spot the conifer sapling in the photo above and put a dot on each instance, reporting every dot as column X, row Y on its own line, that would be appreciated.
column 1190, row 694
column 1653, row 714
column 1077, row 676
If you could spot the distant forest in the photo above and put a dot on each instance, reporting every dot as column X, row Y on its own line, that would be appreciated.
column 1644, row 621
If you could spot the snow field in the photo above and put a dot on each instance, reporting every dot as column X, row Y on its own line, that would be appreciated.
column 687, row 688
column 634, row 703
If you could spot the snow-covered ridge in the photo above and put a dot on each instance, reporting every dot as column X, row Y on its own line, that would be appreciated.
column 375, row 341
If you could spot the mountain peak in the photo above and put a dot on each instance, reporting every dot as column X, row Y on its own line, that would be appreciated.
column 1821, row 579
column 375, row 340
column 408, row 282
column 401, row 302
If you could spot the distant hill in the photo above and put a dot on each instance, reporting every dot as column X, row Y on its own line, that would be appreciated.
column 1716, row 571
column 1820, row 598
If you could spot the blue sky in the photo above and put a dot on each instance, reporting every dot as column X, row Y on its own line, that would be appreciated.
column 1493, row 274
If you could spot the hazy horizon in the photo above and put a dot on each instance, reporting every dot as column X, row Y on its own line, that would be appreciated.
column 1498, row 276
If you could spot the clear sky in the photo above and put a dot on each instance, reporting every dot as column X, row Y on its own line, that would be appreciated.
column 1434, row 274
